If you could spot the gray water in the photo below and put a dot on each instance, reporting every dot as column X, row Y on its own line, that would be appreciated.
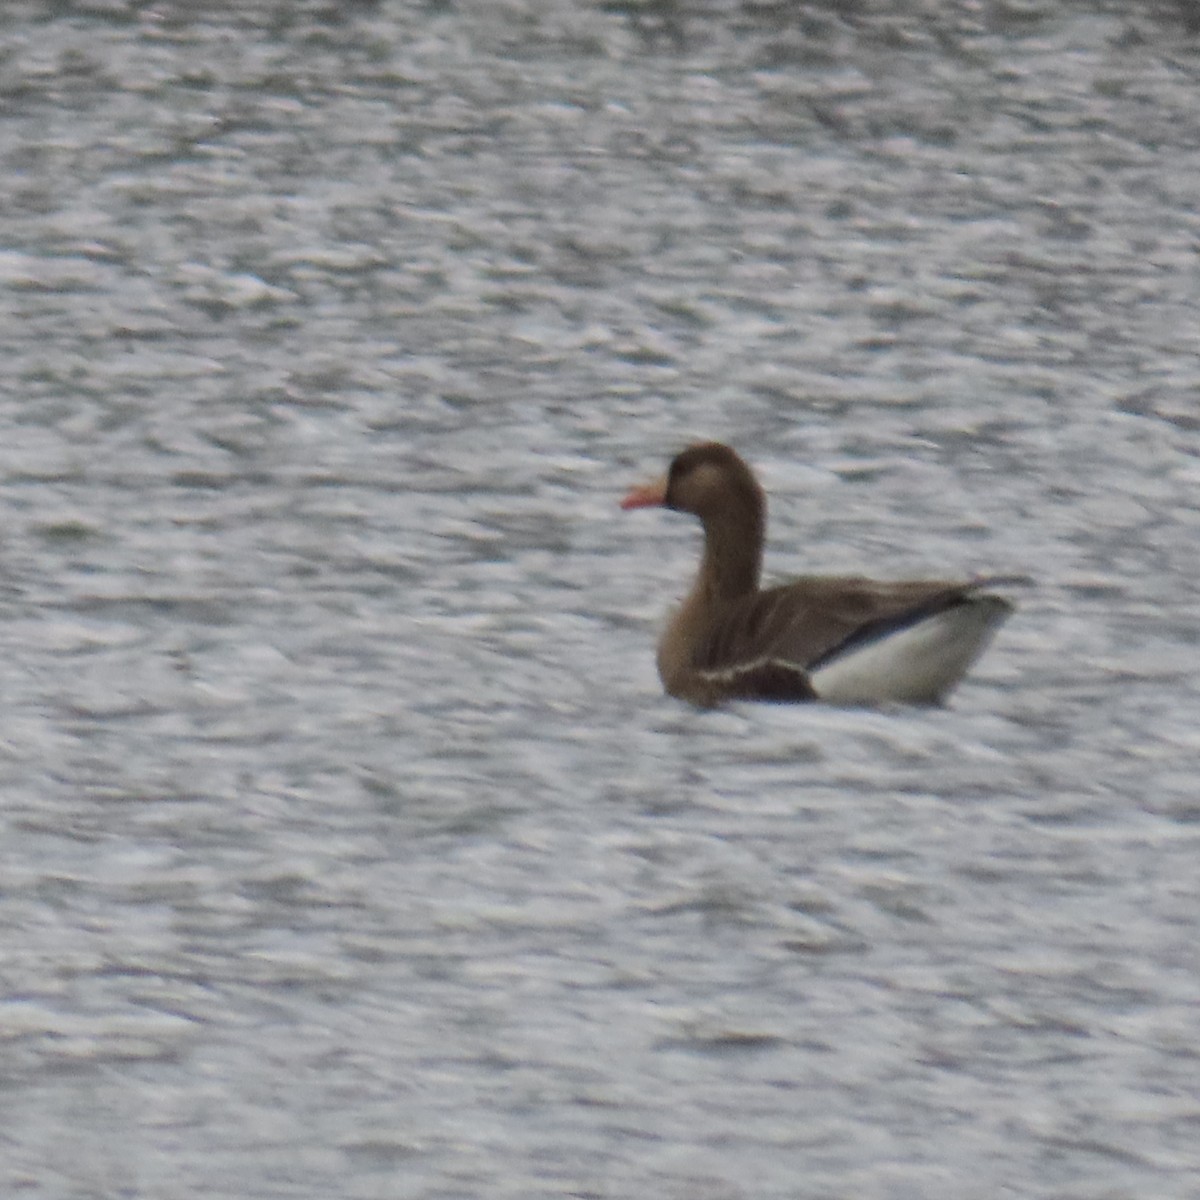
column 349, row 846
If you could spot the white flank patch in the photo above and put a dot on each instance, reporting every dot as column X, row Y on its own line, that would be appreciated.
column 918, row 664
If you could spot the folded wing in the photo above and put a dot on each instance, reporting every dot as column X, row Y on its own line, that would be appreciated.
column 850, row 640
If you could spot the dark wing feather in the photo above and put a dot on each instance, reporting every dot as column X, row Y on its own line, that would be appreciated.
column 767, row 679
column 805, row 622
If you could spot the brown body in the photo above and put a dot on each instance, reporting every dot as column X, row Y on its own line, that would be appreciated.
column 729, row 639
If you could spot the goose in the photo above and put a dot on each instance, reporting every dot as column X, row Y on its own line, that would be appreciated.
column 842, row 640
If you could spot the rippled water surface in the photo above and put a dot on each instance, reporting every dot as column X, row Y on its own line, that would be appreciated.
column 349, row 846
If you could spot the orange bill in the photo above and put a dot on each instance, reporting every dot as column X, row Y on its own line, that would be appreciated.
column 647, row 495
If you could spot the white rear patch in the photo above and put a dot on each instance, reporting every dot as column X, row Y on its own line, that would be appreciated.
column 918, row 664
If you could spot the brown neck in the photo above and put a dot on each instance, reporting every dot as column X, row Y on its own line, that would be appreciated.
column 732, row 564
